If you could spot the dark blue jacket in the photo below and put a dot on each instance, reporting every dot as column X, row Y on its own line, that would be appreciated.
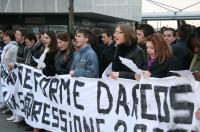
column 180, row 50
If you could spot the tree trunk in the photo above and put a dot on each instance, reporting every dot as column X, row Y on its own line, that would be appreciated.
column 71, row 16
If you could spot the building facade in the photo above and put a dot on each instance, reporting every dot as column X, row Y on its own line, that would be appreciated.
column 42, row 15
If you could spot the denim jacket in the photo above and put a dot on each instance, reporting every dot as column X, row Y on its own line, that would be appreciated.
column 85, row 63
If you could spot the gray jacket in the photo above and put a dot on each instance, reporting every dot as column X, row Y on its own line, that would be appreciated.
column 9, row 54
column 85, row 63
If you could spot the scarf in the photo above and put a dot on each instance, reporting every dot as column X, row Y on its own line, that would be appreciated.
column 30, row 52
column 151, row 62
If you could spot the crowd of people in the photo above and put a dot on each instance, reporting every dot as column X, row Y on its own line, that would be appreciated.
column 90, row 52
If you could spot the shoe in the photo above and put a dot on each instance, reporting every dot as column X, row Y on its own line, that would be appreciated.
column 22, row 123
column 18, row 119
column 11, row 118
column 8, row 112
column 5, row 111
column 29, row 128
column 4, row 108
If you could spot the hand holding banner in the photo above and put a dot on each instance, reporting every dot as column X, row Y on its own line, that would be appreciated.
column 41, row 64
column 107, row 71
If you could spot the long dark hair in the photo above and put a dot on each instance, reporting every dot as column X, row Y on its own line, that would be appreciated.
column 65, row 37
column 53, row 43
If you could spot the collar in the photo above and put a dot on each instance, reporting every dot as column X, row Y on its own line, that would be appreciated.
column 85, row 48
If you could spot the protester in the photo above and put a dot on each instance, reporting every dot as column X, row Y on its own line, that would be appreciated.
column 143, row 31
column 46, row 61
column 180, row 49
column 126, row 42
column 96, row 42
column 9, row 55
column 64, row 55
column 33, row 50
column 160, row 58
column 170, row 35
column 19, row 38
column 194, row 45
column 108, row 52
column 85, row 63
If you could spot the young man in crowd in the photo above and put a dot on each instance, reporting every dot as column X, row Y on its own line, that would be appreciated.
column 180, row 48
column 34, row 48
column 108, row 52
column 143, row 31
column 85, row 63
column 170, row 35
column 19, row 38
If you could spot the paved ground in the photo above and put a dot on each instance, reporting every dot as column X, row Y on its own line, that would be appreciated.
column 8, row 126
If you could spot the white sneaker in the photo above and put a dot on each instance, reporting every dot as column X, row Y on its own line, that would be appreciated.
column 11, row 118
column 18, row 119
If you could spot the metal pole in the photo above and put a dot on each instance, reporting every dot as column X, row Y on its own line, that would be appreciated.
column 71, row 16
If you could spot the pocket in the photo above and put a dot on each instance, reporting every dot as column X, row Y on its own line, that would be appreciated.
column 81, row 64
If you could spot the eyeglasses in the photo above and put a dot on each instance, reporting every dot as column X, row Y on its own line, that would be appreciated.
column 116, row 32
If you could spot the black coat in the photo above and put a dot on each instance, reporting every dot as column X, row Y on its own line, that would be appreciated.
column 49, row 60
column 160, row 70
column 21, row 53
column 63, row 63
column 106, row 58
column 134, row 53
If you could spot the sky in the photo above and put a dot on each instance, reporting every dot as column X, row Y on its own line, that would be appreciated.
column 176, row 5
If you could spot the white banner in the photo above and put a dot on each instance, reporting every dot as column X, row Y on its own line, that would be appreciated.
column 62, row 103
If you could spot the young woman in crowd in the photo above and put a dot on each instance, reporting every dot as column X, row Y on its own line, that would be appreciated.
column 64, row 55
column 47, row 59
column 126, row 42
column 160, row 58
